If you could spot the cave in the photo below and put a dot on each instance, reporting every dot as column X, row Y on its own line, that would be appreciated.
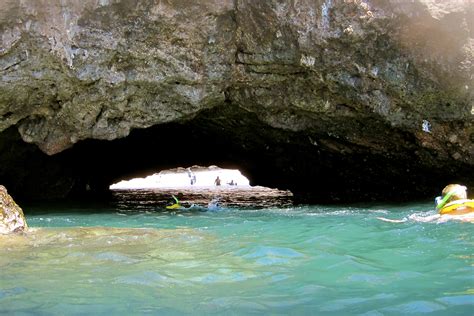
column 315, row 167
column 336, row 102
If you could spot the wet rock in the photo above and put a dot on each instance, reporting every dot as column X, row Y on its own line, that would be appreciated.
column 12, row 219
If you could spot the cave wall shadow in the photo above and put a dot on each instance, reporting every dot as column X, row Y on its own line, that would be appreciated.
column 266, row 156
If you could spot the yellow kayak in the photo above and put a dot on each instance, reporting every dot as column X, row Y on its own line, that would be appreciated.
column 458, row 207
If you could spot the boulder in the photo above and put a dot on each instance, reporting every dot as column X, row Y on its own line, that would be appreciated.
column 12, row 219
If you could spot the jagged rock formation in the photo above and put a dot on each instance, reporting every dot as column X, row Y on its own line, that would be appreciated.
column 334, row 100
column 12, row 219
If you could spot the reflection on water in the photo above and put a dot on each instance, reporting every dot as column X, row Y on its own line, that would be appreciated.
column 335, row 260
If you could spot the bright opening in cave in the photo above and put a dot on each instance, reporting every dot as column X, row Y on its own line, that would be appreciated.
column 189, row 178
column 196, row 186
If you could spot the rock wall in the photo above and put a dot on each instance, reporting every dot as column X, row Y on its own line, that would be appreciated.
column 373, row 97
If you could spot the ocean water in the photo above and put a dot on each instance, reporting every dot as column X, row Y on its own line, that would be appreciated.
column 132, row 257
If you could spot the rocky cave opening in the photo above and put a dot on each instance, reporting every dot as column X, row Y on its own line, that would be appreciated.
column 315, row 167
column 192, row 177
column 196, row 188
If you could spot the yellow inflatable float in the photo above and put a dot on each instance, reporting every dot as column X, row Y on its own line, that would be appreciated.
column 454, row 201
column 458, row 207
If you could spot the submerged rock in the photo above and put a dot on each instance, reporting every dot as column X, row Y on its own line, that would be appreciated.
column 12, row 219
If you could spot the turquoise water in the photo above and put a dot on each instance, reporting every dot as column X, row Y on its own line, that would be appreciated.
column 305, row 260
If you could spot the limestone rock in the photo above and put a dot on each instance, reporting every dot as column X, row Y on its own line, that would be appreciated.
column 12, row 219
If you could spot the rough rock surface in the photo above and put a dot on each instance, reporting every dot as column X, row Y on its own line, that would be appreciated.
column 334, row 100
column 12, row 219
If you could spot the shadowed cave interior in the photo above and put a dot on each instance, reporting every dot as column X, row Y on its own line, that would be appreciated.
column 316, row 167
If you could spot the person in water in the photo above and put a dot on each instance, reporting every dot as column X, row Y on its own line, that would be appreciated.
column 450, row 193
column 217, row 182
column 174, row 202
column 214, row 204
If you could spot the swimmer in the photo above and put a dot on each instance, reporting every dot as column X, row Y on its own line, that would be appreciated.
column 451, row 193
column 174, row 203
column 214, row 204
column 454, row 199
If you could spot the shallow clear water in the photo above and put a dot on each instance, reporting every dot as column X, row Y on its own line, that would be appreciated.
column 281, row 260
